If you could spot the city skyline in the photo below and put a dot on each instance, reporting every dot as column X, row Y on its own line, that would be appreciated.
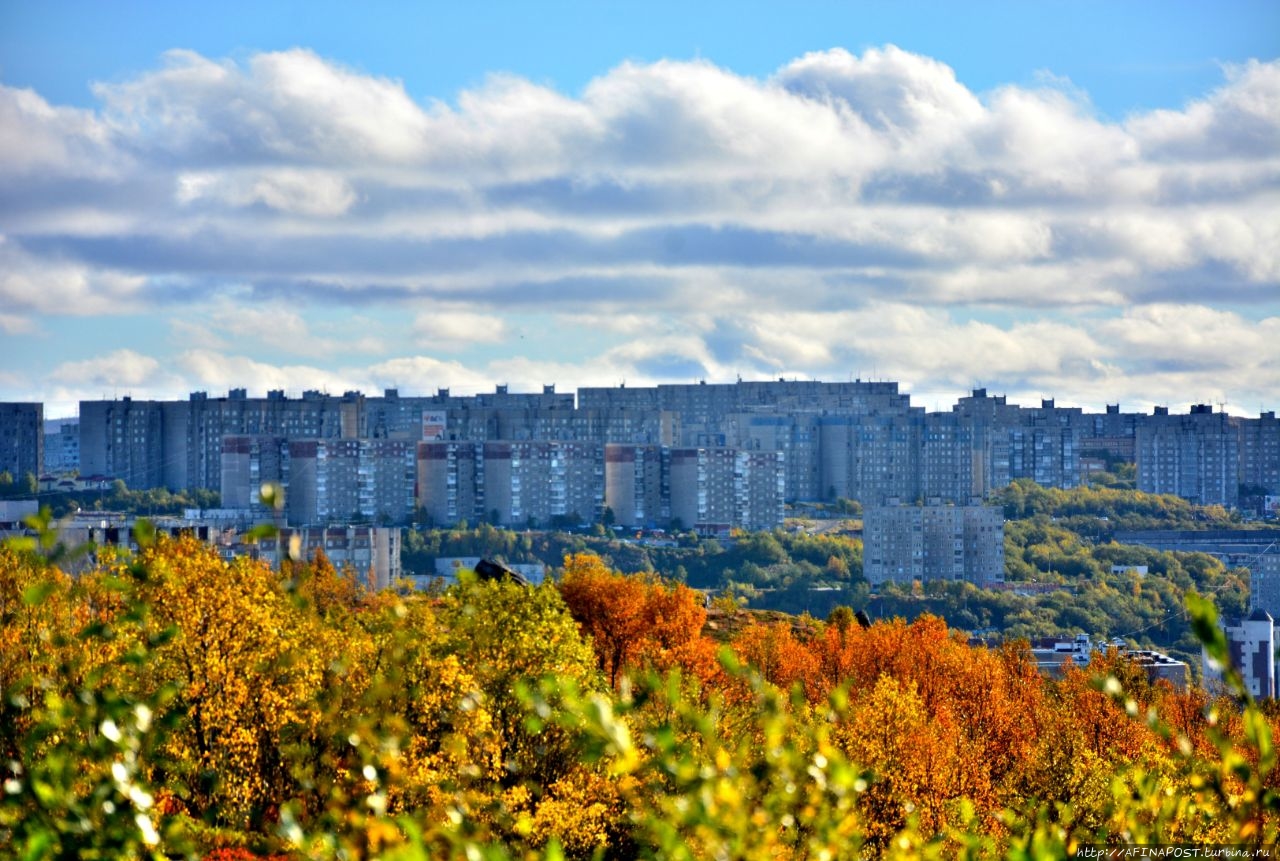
column 1070, row 201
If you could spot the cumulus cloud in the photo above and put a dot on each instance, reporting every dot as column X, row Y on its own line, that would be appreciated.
column 1161, row 354
column 123, row 368
column 453, row 328
column 848, row 211
column 915, row 102
column 308, row 192
column 48, row 285
column 283, row 106
column 208, row 369
column 1239, row 120
column 272, row 328
column 15, row 324
column 38, row 137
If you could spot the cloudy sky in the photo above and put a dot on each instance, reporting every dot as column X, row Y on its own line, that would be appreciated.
column 1078, row 200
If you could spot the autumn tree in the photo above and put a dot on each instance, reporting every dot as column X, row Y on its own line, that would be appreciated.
column 633, row 620
column 780, row 656
column 248, row 664
column 510, row 636
column 610, row 609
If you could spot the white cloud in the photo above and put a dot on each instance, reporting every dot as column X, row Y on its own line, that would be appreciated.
column 1195, row 337
column 851, row 209
column 16, row 324
column 425, row 374
column 37, row 138
column 300, row 192
column 916, row 100
column 37, row 284
column 1239, row 120
column 207, row 369
column 452, row 328
column 289, row 104
column 120, row 369
column 1161, row 354
column 271, row 328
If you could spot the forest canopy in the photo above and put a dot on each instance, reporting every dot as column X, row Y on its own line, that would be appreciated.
column 177, row 704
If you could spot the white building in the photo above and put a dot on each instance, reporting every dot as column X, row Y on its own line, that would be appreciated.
column 1251, row 646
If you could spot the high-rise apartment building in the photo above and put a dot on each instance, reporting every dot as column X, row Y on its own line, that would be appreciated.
column 1264, row 580
column 715, row 489
column 248, row 463
column 386, row 479
column 541, row 482
column 1259, row 452
column 1110, row 433
column 21, row 439
column 947, row 458
column 123, row 439
column 859, row 440
column 635, row 484
column 324, row 482
column 871, row 458
column 1195, row 456
column 61, row 447
column 451, row 481
column 345, row 480
column 903, row 543
column 1251, row 647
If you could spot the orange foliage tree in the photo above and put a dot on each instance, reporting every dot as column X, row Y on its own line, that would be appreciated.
column 775, row 651
column 633, row 620
column 296, row 703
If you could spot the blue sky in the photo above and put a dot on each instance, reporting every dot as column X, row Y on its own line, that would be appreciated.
column 1073, row 200
column 1126, row 55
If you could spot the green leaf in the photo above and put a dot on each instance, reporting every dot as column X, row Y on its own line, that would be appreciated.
column 262, row 530
column 144, row 532
column 1204, row 622
column 37, row 593
column 1258, row 731
column 23, row 544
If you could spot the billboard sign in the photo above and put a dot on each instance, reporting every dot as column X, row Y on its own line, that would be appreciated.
column 434, row 423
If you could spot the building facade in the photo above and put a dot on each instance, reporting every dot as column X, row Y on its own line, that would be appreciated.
column 248, row 463
column 451, row 482
column 61, row 447
column 22, row 439
column 371, row 552
column 1259, row 453
column 716, row 489
column 1194, row 456
column 635, row 484
column 1251, row 648
column 543, row 482
column 858, row 440
column 904, row 543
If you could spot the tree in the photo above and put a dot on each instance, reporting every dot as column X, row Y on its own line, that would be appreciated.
column 775, row 651
column 608, row 608
column 248, row 664
column 632, row 619
column 513, row 636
